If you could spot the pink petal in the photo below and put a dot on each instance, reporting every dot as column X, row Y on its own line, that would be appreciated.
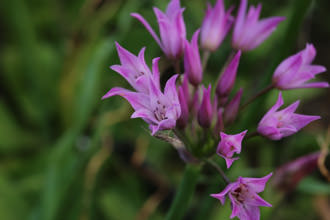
column 257, row 184
column 240, row 19
column 137, row 100
column 148, row 27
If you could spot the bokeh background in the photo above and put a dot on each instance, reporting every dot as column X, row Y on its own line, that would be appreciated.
column 66, row 154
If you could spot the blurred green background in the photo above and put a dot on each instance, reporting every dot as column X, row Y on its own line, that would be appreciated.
column 65, row 154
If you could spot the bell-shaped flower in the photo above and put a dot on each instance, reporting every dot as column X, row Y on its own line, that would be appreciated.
column 205, row 112
column 192, row 61
column 133, row 68
column 243, row 194
column 294, row 71
column 249, row 31
column 215, row 26
column 227, row 78
column 229, row 145
column 278, row 124
column 160, row 110
column 231, row 110
column 171, row 27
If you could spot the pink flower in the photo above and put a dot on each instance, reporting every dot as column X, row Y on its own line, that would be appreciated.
column 160, row 110
column 205, row 112
column 231, row 109
column 192, row 61
column 228, row 77
column 294, row 71
column 171, row 27
column 278, row 124
column 244, row 197
column 229, row 145
column 216, row 25
column 133, row 68
column 184, row 97
column 249, row 31
column 288, row 176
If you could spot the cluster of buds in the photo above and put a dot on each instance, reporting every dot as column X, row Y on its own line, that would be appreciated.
column 197, row 114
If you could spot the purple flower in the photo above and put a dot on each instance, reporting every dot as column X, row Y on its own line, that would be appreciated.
column 160, row 110
column 205, row 112
column 294, row 71
column 184, row 103
column 244, row 197
column 232, row 107
column 219, row 126
column 192, row 61
column 171, row 27
column 249, row 31
column 227, row 78
column 278, row 124
column 288, row 176
column 216, row 25
column 133, row 68
column 230, row 144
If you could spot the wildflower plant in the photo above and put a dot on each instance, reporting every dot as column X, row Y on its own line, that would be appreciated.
column 195, row 117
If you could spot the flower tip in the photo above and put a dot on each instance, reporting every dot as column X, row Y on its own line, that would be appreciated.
column 105, row 96
column 155, row 60
column 282, row 18
column 135, row 15
column 244, row 133
column 267, row 177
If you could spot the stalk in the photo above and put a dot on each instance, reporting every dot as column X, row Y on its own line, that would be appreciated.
column 184, row 193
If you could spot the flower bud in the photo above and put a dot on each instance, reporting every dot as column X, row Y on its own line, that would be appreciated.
column 205, row 111
column 232, row 108
column 227, row 79
column 192, row 61
column 215, row 27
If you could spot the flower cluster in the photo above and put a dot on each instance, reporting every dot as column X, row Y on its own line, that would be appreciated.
column 195, row 113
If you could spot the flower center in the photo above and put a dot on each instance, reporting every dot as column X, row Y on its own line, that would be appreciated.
column 239, row 193
column 160, row 111
column 138, row 74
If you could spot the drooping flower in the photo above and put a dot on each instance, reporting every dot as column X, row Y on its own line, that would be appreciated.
column 249, row 31
column 215, row 26
column 278, row 124
column 294, row 71
column 229, row 145
column 288, row 176
column 205, row 112
column 192, row 61
column 171, row 27
column 160, row 110
column 244, row 197
column 227, row 78
column 133, row 68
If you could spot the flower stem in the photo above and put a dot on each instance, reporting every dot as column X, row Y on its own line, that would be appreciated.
column 251, row 135
column 184, row 193
column 176, row 65
column 205, row 58
column 212, row 163
column 262, row 92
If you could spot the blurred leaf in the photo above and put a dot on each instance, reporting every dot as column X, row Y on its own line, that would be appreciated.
column 12, row 136
column 314, row 186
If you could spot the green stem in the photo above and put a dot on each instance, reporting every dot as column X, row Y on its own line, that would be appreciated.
column 262, row 92
column 206, row 55
column 184, row 193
